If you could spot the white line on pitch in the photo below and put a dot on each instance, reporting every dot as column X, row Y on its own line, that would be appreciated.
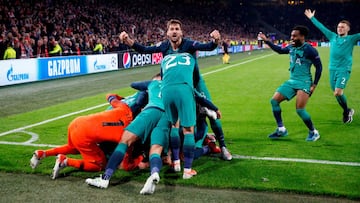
column 298, row 160
column 52, row 119
column 233, row 65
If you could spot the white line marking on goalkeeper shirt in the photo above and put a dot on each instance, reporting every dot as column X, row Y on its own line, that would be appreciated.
column 52, row 119
column 233, row 65
column 313, row 161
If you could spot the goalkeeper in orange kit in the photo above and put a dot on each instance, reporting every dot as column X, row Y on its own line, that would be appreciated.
column 85, row 134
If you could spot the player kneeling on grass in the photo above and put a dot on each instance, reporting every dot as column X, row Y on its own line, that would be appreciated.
column 85, row 133
column 300, row 84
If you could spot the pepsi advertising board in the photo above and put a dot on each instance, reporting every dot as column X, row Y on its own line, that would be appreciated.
column 135, row 59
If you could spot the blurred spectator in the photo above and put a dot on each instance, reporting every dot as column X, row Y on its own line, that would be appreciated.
column 98, row 49
column 9, row 52
column 84, row 22
column 56, row 48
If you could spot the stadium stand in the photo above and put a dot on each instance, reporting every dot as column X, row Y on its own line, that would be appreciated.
column 77, row 25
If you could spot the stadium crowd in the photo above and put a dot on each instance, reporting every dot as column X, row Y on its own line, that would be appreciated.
column 54, row 27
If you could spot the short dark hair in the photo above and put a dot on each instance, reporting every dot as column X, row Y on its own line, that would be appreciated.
column 346, row 22
column 9, row 43
column 304, row 31
column 173, row 21
column 156, row 75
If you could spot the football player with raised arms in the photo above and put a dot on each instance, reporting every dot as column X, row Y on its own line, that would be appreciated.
column 341, row 48
column 176, row 43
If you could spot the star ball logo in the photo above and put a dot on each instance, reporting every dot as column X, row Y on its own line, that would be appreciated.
column 126, row 60
column 156, row 58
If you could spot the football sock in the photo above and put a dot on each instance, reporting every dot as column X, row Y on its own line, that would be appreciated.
column 276, row 112
column 282, row 129
column 188, row 149
column 115, row 159
column 175, row 143
column 65, row 149
column 155, row 163
column 77, row 163
column 343, row 102
column 201, row 151
column 217, row 129
column 201, row 129
column 305, row 116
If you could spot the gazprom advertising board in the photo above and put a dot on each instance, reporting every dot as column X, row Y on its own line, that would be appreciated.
column 101, row 63
column 18, row 71
column 59, row 67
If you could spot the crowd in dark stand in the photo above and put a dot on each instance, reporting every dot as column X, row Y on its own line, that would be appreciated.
column 55, row 27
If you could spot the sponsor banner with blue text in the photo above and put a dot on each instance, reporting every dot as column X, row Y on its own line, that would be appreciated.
column 101, row 63
column 18, row 71
column 208, row 53
column 29, row 70
column 59, row 67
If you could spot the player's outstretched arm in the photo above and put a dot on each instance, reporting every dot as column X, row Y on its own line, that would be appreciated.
column 273, row 46
column 197, row 46
column 141, row 85
column 114, row 100
column 309, row 14
column 124, row 38
column 216, row 36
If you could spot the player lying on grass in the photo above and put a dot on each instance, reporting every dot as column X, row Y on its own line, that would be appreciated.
column 300, row 84
column 85, row 133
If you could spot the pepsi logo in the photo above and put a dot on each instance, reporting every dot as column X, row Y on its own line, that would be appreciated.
column 126, row 60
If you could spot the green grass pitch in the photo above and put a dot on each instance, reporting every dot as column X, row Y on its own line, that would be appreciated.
column 242, row 90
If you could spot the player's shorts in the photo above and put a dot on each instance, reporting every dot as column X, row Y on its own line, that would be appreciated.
column 339, row 79
column 145, row 122
column 289, row 88
column 161, row 133
column 179, row 103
